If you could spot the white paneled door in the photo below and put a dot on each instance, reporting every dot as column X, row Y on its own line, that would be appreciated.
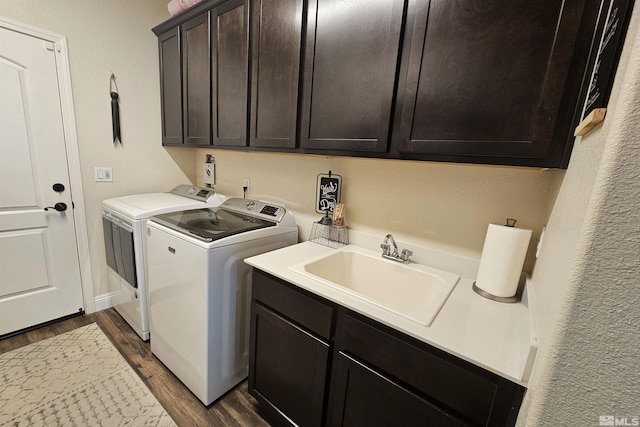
column 39, row 266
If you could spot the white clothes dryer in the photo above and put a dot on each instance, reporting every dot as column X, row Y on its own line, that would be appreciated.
column 123, row 220
column 200, row 288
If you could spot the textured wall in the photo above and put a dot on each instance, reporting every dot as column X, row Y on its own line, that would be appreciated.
column 587, row 279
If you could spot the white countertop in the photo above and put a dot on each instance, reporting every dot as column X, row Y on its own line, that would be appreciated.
column 499, row 337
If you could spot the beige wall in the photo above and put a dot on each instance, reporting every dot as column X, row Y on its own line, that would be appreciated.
column 586, row 279
column 444, row 206
column 104, row 37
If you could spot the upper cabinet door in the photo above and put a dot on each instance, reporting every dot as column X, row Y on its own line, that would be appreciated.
column 195, row 81
column 351, row 57
column 487, row 81
column 229, row 79
column 275, row 68
column 170, row 86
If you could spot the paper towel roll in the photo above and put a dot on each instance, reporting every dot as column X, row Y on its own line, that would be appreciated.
column 503, row 254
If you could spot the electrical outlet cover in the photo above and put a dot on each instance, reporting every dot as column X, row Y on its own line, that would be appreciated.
column 209, row 173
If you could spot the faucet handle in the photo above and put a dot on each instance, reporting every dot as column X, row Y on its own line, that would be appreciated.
column 404, row 256
column 385, row 248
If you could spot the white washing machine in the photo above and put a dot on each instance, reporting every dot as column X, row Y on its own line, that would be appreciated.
column 200, row 288
column 123, row 220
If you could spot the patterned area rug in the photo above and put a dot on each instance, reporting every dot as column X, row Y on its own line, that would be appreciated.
column 74, row 379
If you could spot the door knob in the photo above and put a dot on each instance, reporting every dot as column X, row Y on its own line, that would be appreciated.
column 58, row 206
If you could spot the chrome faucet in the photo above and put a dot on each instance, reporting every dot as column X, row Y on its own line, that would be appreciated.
column 386, row 249
column 388, row 244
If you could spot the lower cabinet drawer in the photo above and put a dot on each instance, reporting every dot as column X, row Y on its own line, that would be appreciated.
column 306, row 310
column 288, row 367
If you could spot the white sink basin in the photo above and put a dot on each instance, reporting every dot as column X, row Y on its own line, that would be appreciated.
column 413, row 291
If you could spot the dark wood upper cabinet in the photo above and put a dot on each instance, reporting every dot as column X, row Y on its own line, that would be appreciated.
column 195, row 81
column 170, row 86
column 492, row 81
column 229, row 64
column 204, row 75
column 350, row 63
column 276, row 52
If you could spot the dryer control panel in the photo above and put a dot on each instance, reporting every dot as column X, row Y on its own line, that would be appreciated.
column 256, row 208
column 205, row 195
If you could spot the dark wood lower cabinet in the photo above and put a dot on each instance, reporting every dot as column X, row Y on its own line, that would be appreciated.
column 290, row 351
column 314, row 363
column 431, row 383
column 363, row 397
column 289, row 367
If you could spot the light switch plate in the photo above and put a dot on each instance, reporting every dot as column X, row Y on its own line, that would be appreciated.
column 103, row 174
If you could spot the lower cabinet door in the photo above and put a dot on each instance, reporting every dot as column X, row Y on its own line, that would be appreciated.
column 361, row 396
column 288, row 368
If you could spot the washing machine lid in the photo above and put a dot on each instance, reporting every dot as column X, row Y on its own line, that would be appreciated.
column 142, row 206
column 211, row 224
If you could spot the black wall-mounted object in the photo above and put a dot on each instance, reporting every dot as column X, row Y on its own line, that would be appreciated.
column 115, row 109
column 616, row 22
column 328, row 187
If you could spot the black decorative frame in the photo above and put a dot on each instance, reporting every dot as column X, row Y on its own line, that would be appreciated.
column 328, row 189
column 615, row 20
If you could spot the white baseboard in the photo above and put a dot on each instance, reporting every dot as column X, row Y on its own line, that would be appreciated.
column 107, row 300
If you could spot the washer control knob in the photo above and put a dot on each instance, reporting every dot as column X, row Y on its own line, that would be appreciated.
column 251, row 205
column 191, row 190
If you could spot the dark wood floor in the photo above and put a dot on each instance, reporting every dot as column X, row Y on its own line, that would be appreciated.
column 236, row 408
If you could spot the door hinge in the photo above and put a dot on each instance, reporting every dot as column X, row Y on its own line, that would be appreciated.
column 73, row 205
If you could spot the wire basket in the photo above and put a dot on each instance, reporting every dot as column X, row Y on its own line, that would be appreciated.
column 329, row 235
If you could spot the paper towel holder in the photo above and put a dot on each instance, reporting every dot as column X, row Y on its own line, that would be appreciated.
column 511, row 299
